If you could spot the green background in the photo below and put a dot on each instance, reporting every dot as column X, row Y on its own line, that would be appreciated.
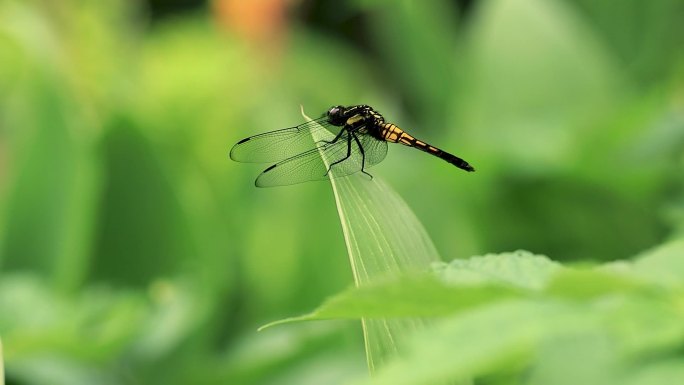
column 133, row 251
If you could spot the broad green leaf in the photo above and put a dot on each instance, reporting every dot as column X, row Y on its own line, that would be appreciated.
column 407, row 297
column 384, row 239
column 492, row 338
column 519, row 268
column 591, row 283
column 629, row 330
column 609, row 335
column 577, row 358
column 465, row 284
column 461, row 284
column 509, row 309
column 643, row 324
column 664, row 264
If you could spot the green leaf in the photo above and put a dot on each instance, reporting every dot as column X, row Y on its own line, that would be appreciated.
column 382, row 235
column 461, row 284
column 513, row 310
column 519, row 268
column 384, row 239
column 407, row 297
column 494, row 337
column 591, row 283
column 577, row 358
column 483, row 280
column 534, row 338
column 663, row 264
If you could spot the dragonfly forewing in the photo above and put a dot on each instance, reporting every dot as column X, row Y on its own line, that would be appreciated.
column 280, row 144
column 341, row 158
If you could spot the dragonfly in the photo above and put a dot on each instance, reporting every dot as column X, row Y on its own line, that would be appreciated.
column 301, row 153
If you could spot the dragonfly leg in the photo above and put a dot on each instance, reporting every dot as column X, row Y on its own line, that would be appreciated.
column 363, row 155
column 349, row 139
column 335, row 139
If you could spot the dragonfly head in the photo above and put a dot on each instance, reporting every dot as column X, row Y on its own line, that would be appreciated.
column 337, row 115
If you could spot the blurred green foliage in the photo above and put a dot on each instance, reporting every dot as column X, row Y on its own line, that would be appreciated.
column 133, row 251
column 519, row 318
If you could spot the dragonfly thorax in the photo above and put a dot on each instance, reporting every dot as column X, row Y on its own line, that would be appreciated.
column 354, row 116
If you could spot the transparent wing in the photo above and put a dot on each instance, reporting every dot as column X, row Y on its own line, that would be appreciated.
column 277, row 145
column 343, row 157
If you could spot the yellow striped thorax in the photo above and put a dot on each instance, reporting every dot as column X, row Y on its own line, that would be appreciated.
column 364, row 119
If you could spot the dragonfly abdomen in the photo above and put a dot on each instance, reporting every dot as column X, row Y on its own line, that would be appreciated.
column 391, row 133
column 453, row 159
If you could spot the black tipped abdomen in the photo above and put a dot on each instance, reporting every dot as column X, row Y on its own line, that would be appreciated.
column 453, row 159
column 458, row 162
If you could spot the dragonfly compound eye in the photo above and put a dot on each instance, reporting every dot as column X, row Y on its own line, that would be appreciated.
column 336, row 115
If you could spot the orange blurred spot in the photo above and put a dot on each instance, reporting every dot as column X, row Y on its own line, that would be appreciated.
column 258, row 21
